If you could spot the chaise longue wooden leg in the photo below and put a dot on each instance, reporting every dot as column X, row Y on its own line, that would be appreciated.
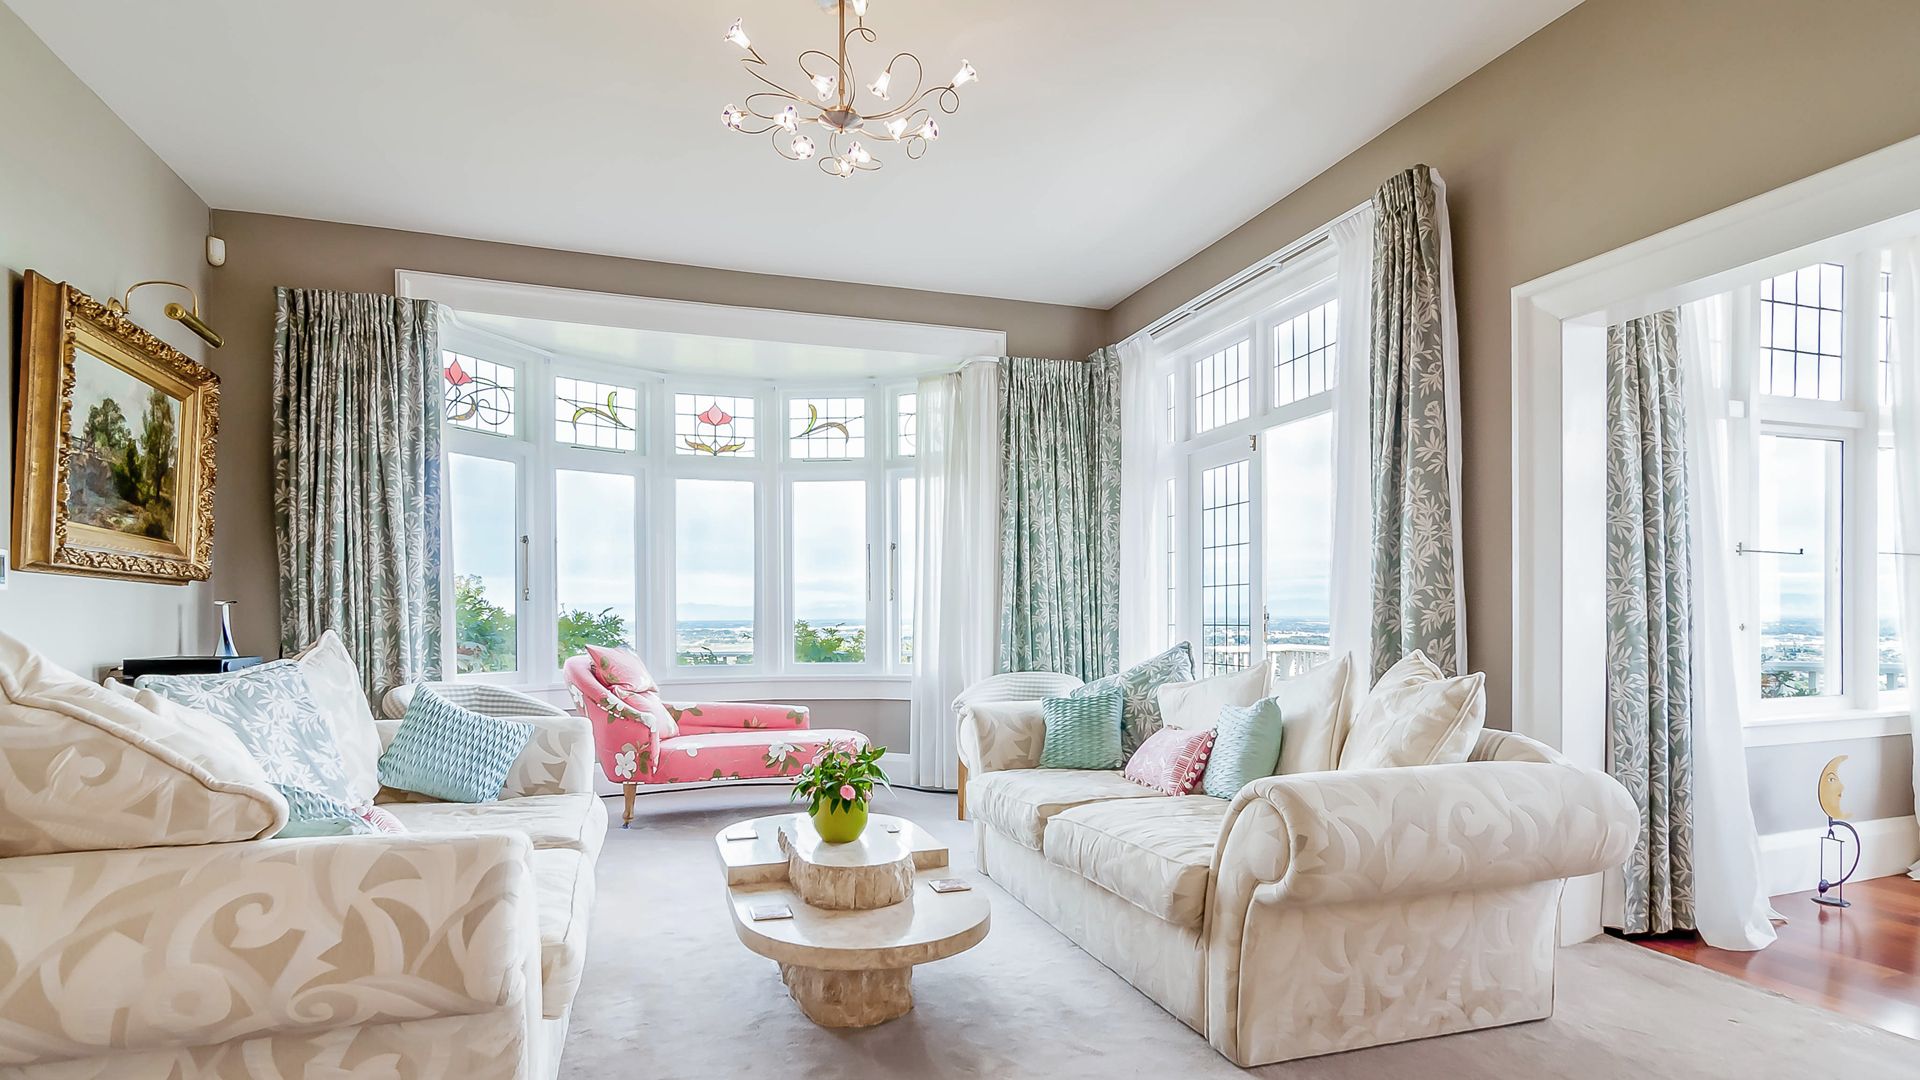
column 962, row 801
column 626, row 819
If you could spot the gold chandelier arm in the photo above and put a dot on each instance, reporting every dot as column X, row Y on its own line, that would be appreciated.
column 948, row 102
column 754, row 110
column 919, row 77
column 779, row 90
column 807, row 71
column 848, row 80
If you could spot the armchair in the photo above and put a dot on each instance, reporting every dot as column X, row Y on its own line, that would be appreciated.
column 645, row 741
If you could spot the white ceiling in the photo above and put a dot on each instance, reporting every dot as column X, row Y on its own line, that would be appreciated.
column 1106, row 142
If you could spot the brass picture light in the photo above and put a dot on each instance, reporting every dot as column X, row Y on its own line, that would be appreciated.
column 188, row 318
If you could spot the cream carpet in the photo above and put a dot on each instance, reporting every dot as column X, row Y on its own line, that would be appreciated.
column 670, row 994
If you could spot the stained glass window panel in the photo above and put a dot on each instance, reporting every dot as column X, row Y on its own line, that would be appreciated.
column 827, row 428
column 601, row 416
column 713, row 426
column 479, row 394
column 907, row 427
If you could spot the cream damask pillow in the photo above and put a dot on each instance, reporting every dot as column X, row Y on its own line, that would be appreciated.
column 1195, row 706
column 1416, row 716
column 335, row 681
column 83, row 768
column 1315, row 707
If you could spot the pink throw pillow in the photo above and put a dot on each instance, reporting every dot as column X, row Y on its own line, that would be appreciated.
column 1172, row 760
column 620, row 671
column 381, row 820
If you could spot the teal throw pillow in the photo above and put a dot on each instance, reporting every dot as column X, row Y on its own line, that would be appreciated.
column 1246, row 747
column 1140, row 685
column 451, row 753
column 271, row 708
column 1083, row 732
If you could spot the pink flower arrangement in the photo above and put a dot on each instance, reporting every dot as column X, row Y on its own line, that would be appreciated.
column 841, row 777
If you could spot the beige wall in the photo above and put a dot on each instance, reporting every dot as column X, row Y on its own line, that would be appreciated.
column 84, row 201
column 265, row 251
column 1623, row 118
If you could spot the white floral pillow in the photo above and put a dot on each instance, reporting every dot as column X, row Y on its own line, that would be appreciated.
column 271, row 708
column 1415, row 715
column 85, row 769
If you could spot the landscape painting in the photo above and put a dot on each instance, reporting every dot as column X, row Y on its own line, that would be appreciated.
column 114, row 444
column 124, row 445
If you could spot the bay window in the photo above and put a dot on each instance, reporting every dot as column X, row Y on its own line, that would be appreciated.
column 594, row 504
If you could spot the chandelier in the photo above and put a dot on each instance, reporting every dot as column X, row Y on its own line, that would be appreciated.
column 852, row 124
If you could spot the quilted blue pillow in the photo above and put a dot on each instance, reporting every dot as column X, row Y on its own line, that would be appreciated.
column 451, row 753
column 1082, row 732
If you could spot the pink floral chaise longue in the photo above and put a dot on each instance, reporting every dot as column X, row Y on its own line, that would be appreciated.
column 644, row 740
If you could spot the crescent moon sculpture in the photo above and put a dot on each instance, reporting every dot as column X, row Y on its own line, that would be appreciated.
column 1831, row 789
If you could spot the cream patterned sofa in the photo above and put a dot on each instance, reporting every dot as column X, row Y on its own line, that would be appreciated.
column 1314, row 912
column 453, row 950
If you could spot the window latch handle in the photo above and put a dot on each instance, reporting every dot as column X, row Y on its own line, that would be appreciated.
column 1743, row 549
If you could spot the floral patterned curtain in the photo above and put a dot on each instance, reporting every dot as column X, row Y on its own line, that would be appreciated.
column 1415, row 428
column 356, row 470
column 1060, row 515
column 1650, row 617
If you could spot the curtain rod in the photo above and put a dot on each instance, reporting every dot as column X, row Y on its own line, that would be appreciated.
column 1290, row 253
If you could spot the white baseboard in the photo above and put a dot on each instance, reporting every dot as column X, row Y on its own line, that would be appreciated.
column 1790, row 861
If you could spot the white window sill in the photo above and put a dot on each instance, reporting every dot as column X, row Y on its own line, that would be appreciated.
column 1829, row 726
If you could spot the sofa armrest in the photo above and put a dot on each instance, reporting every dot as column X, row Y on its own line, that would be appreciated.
column 114, row 951
column 1000, row 735
column 558, row 759
column 1339, row 837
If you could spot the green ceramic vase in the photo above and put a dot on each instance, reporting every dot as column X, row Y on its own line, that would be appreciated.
column 840, row 826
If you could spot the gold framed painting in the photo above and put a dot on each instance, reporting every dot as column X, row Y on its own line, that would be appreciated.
column 113, row 444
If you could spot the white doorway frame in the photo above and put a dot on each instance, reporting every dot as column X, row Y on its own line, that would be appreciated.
column 1559, row 394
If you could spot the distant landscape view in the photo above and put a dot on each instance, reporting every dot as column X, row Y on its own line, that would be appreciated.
column 1794, row 662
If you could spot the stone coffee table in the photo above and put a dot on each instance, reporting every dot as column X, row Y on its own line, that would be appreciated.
column 863, row 914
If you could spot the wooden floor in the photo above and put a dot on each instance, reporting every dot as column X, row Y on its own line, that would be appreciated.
column 1862, row 962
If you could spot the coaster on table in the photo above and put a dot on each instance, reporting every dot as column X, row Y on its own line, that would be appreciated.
column 892, row 826
column 945, row 885
column 769, row 912
column 740, row 832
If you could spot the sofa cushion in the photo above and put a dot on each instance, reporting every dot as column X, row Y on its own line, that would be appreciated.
column 575, row 822
column 271, row 708
column 334, row 679
column 1246, row 747
column 1017, row 802
column 1140, row 716
column 563, row 882
column 452, row 753
column 1082, row 732
column 1315, row 708
column 83, row 768
column 1196, row 705
column 1153, row 853
column 1416, row 716
column 1171, row 761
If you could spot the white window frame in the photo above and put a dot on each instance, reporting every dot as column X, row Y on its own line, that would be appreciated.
column 1253, row 316
column 1858, row 421
column 538, row 456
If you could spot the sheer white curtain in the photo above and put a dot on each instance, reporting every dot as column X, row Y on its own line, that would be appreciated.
column 1730, row 903
column 1146, row 460
column 1351, row 620
column 957, row 619
column 1904, row 382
